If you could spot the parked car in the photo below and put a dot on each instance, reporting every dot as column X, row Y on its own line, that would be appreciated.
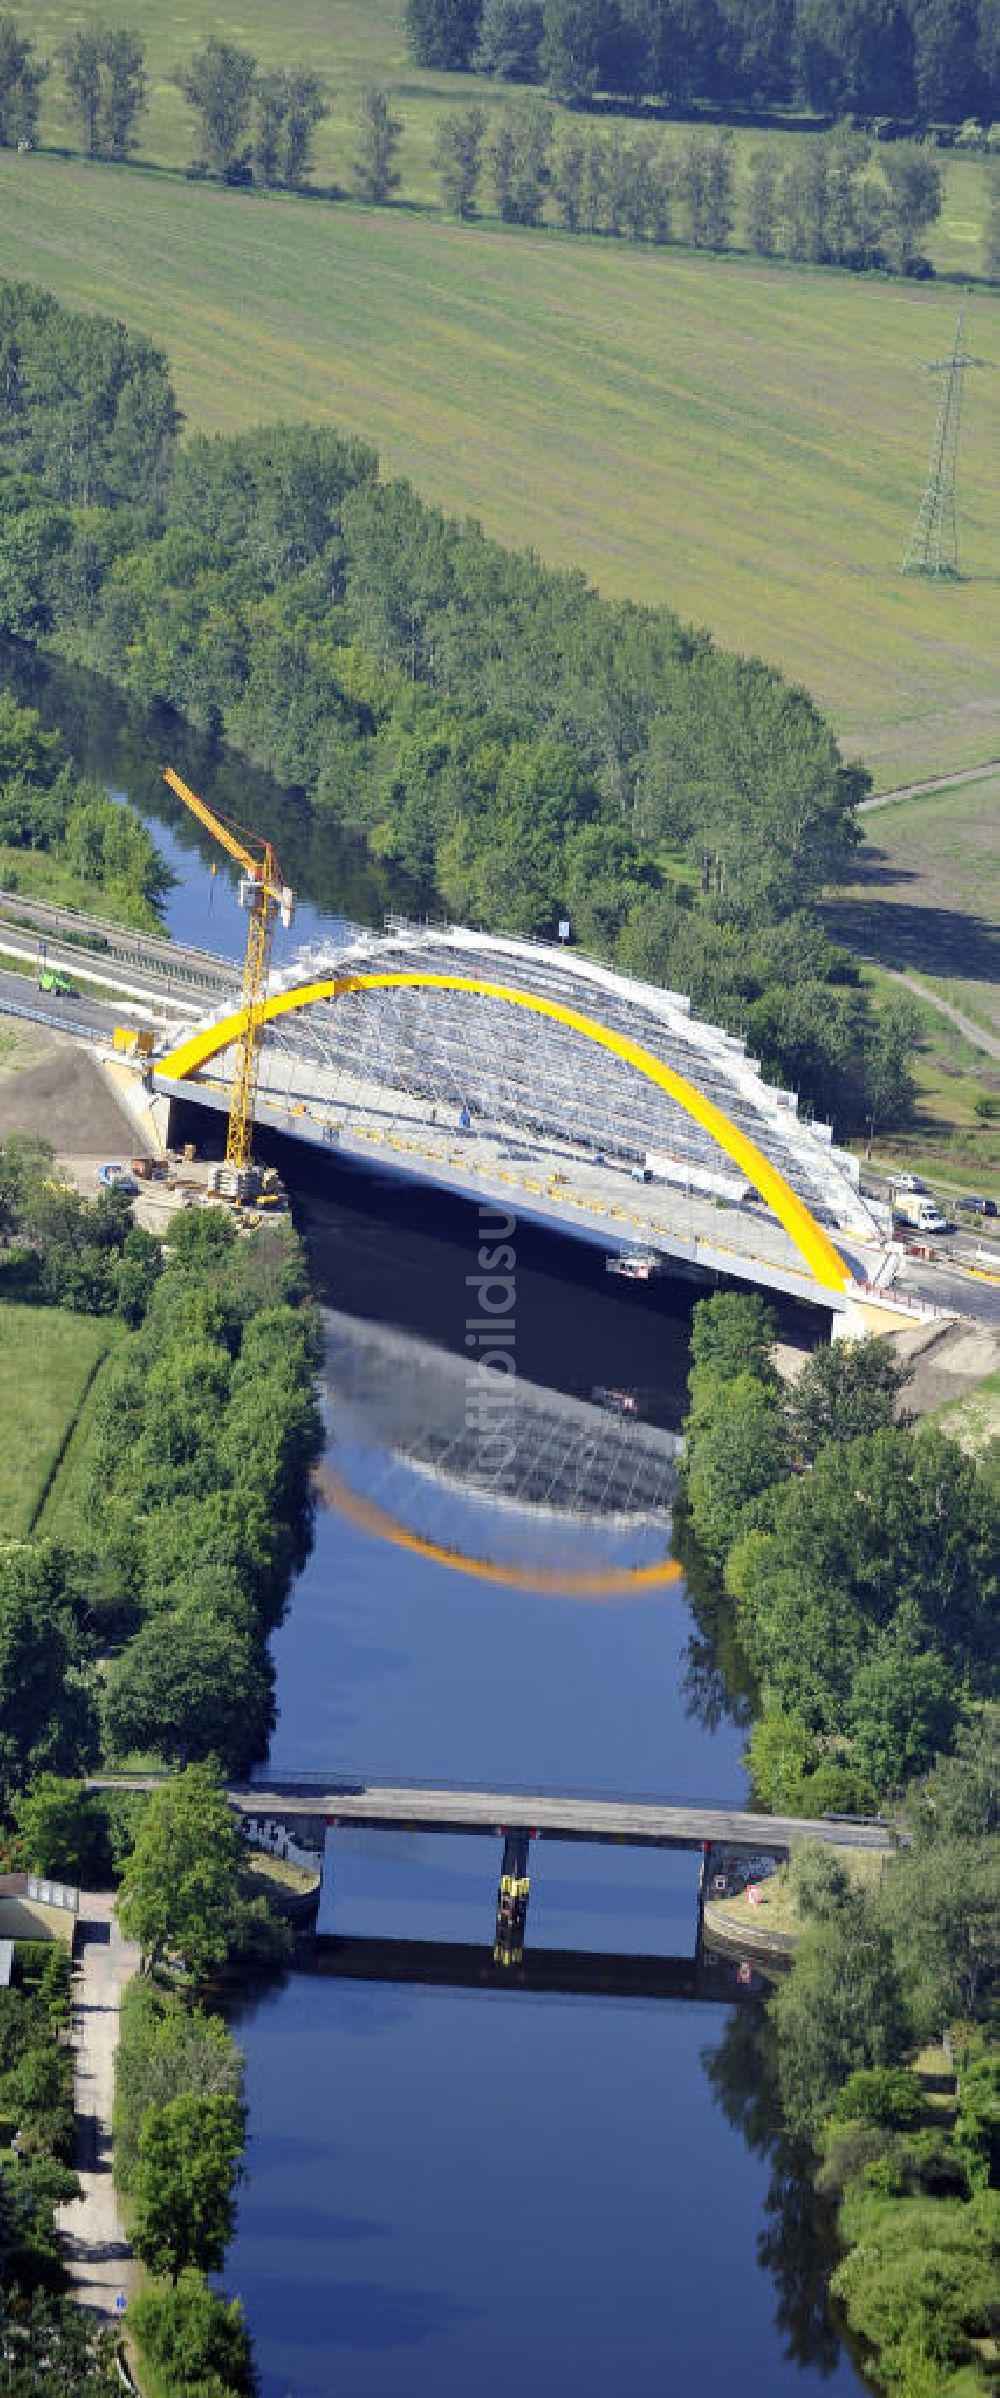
column 118, row 1178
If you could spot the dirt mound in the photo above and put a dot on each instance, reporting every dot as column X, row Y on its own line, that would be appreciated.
column 64, row 1097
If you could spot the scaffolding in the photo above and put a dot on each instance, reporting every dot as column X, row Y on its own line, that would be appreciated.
column 419, row 1058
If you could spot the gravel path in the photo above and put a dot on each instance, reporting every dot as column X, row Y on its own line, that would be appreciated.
column 96, row 2251
column 939, row 782
column 974, row 1033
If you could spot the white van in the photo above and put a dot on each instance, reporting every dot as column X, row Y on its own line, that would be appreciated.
column 924, row 1214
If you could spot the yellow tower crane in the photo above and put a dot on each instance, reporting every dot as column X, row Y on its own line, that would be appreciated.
column 265, row 896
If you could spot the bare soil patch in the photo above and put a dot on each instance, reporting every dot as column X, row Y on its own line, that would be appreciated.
column 62, row 1095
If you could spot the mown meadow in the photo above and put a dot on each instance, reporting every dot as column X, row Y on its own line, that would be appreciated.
column 354, row 47
column 746, row 442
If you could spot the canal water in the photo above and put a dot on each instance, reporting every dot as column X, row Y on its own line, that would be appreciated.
column 455, row 2190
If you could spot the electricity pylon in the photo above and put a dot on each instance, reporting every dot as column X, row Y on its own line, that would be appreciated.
column 933, row 546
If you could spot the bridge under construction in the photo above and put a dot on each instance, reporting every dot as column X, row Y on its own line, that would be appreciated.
column 518, row 1073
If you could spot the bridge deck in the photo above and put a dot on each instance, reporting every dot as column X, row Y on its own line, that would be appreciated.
column 631, row 1823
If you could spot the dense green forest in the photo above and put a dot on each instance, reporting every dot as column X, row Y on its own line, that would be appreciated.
column 861, row 1557
column 195, row 1511
column 521, row 748
column 903, row 59
column 100, row 849
column 861, row 1553
column 146, row 1631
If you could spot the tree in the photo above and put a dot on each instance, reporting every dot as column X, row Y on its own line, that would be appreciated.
column 518, row 158
column 81, row 59
column 941, row 1903
column 960, row 1799
column 375, row 174
column 991, row 227
column 946, row 67
column 457, row 156
column 167, row 2048
column 179, row 1895
column 442, row 33
column 46, row 1721
column 733, row 1455
column 916, row 190
column 903, row 1707
column 190, row 2153
column 804, row 200
column 841, row 2008
column 844, row 1390
column 762, row 202
column 21, row 79
column 567, row 176
column 578, row 45
column 305, row 102
column 63, row 1830
column 192, row 1684
column 219, row 83
column 123, row 91
column 51, row 2345
column 199, row 2343
column 720, row 189
column 854, row 57
column 733, row 1333
column 510, row 36
column 892, row 1037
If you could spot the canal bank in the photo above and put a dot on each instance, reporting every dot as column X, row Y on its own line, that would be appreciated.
column 454, row 2186
column 450, row 2180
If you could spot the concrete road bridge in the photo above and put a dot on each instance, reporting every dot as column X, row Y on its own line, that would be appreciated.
column 312, row 1810
column 519, row 1073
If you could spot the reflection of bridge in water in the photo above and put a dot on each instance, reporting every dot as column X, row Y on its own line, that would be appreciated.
column 584, row 1973
column 491, row 1475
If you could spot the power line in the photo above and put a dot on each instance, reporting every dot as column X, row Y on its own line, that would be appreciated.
column 933, row 546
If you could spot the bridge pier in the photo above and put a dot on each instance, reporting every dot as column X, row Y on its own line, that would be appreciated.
column 512, row 1900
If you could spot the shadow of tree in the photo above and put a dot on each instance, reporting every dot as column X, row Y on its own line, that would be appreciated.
column 940, row 941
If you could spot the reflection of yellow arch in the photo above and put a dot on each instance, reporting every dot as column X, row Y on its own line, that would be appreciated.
column 615, row 1582
column 822, row 1259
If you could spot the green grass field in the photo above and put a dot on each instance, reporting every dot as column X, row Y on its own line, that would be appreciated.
column 47, row 1360
column 746, row 442
column 927, row 897
column 353, row 46
column 61, row 1514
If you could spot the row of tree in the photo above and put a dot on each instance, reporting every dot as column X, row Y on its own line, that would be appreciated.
column 933, row 60
column 834, row 200
column 878, row 1973
column 861, row 1556
column 254, row 124
column 44, row 2341
column 196, row 1511
column 519, row 748
column 860, row 1560
column 104, row 76
column 180, row 2118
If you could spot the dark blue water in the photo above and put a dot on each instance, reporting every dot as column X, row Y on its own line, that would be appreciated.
column 456, row 2191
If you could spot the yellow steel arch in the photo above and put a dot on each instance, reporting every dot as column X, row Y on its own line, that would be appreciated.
column 813, row 1244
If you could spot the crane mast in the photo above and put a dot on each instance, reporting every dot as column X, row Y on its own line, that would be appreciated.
column 265, row 897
